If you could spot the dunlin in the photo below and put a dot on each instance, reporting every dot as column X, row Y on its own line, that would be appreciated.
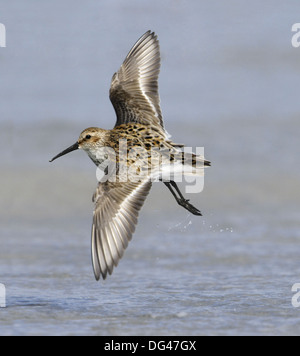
column 138, row 140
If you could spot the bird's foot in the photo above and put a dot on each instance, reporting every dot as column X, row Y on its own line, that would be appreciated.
column 185, row 204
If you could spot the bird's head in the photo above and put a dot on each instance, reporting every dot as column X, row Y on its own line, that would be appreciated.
column 89, row 140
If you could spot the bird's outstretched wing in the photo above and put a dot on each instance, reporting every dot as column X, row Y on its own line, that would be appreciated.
column 117, row 206
column 134, row 88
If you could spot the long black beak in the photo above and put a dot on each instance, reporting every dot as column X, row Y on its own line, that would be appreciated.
column 68, row 150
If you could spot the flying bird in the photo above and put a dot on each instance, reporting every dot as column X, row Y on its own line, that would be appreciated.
column 135, row 153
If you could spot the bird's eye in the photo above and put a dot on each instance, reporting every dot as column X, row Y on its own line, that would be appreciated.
column 88, row 137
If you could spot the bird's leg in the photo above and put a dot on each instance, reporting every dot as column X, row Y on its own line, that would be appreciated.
column 181, row 200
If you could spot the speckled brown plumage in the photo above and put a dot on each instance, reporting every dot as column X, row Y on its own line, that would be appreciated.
column 139, row 151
